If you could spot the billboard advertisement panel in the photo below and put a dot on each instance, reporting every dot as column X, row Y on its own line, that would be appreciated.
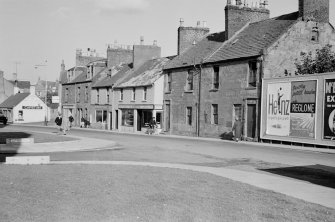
column 329, row 110
column 278, row 109
column 302, row 112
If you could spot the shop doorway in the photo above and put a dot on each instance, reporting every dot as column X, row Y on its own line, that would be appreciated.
column 110, row 120
column 117, row 119
column 251, row 120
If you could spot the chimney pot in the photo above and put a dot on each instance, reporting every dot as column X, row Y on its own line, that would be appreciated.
column 181, row 22
column 155, row 42
column 141, row 40
column 198, row 24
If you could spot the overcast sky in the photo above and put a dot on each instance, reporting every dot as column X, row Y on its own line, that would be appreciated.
column 33, row 31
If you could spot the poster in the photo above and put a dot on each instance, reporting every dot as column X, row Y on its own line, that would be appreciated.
column 329, row 110
column 303, row 105
column 278, row 109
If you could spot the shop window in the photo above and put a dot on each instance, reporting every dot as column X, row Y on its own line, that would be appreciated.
column 215, row 110
column 98, row 116
column 216, row 77
column 189, row 116
column 189, row 81
column 252, row 74
column 128, row 117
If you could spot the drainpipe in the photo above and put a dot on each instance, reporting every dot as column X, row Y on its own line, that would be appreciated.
column 199, row 98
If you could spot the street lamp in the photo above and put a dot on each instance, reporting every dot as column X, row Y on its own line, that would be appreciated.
column 46, row 91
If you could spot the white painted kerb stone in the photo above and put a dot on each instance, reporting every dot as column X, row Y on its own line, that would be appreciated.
column 28, row 160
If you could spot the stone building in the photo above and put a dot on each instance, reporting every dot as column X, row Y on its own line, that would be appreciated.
column 219, row 76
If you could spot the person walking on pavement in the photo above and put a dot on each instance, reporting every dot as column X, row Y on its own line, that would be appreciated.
column 71, row 119
column 152, row 126
column 237, row 129
column 58, row 122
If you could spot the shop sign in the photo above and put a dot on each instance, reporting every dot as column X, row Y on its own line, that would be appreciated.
column 278, row 109
column 32, row 107
column 302, row 113
column 329, row 110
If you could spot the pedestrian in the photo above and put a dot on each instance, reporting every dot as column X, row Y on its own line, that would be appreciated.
column 237, row 129
column 71, row 119
column 58, row 122
column 152, row 126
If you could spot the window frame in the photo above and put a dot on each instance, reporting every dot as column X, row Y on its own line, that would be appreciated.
column 121, row 94
column 98, row 97
column 78, row 94
column 190, row 80
column 216, row 77
column 145, row 93
column 169, row 82
column 215, row 114
column 133, row 95
column 252, row 73
column 189, row 115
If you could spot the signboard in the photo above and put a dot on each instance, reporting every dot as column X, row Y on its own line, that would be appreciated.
column 329, row 110
column 303, row 104
column 55, row 99
column 32, row 107
column 278, row 109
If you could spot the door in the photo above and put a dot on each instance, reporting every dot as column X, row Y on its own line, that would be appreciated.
column 167, row 117
column 139, row 119
column 116, row 119
column 251, row 120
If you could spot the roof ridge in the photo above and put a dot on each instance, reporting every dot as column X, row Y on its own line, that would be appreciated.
column 227, row 41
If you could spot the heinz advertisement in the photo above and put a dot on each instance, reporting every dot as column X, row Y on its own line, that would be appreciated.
column 278, row 109
column 303, row 104
column 329, row 110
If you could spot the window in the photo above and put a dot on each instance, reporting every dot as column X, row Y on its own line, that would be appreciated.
column 78, row 94
column 66, row 95
column 121, row 94
column 98, row 116
column 169, row 81
column 128, row 117
column 98, row 96
column 86, row 93
column 189, row 82
column 252, row 74
column 189, row 116
column 215, row 119
column 108, row 95
column 145, row 91
column 133, row 94
column 216, row 77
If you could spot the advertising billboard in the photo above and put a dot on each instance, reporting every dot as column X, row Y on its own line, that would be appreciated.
column 278, row 109
column 329, row 110
column 302, row 112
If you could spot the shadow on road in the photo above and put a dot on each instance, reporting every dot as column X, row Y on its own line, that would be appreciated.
column 10, row 150
column 316, row 174
column 227, row 136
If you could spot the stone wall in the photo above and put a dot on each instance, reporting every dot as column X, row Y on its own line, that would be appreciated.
column 116, row 56
column 316, row 10
column 187, row 35
column 282, row 55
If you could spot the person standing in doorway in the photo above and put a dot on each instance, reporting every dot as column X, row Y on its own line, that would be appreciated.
column 237, row 129
column 152, row 126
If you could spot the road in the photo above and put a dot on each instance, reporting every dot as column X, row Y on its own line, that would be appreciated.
column 134, row 147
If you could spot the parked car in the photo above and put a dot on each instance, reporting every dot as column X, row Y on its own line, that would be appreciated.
column 3, row 119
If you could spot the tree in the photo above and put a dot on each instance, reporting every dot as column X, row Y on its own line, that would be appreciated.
column 323, row 61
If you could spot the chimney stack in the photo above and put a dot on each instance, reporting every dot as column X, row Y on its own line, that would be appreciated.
column 142, row 40
column 237, row 16
column 313, row 10
column 143, row 53
column 188, row 35
column 181, row 22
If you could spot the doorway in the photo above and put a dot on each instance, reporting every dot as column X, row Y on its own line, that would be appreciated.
column 110, row 120
column 251, row 120
column 116, row 119
column 167, row 117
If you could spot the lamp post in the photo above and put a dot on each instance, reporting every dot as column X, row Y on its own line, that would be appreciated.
column 46, row 91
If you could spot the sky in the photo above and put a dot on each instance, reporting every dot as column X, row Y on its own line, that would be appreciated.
column 45, row 32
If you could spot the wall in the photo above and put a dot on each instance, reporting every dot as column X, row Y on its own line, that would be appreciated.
column 158, row 91
column 233, row 90
column 144, row 53
column 187, row 35
column 318, row 10
column 116, row 56
column 236, row 17
column 31, row 115
column 282, row 55
column 6, row 88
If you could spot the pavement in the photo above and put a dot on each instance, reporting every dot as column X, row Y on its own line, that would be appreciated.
column 292, row 187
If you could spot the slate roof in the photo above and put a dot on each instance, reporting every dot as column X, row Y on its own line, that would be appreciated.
column 195, row 54
column 118, row 72
column 254, row 38
column 145, row 75
column 21, row 84
column 14, row 100
column 248, row 42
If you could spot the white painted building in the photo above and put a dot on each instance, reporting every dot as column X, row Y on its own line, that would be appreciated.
column 25, row 108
